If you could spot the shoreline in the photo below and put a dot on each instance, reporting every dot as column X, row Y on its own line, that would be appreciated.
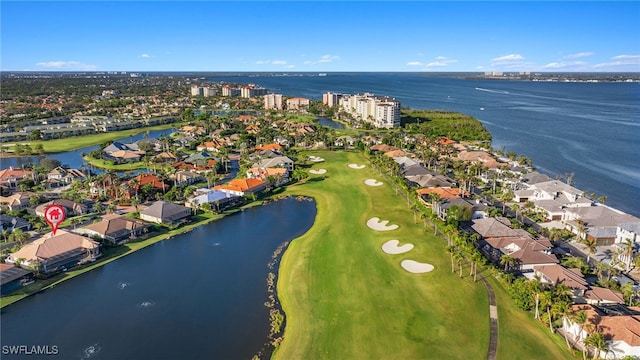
column 131, row 248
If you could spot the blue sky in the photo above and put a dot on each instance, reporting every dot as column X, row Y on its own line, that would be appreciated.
column 320, row 36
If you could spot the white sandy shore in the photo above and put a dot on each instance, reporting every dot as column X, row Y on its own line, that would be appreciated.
column 391, row 247
column 356, row 166
column 373, row 182
column 317, row 172
column 416, row 267
column 315, row 159
column 378, row 225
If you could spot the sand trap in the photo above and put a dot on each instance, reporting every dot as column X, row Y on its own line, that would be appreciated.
column 356, row 166
column 373, row 182
column 378, row 225
column 391, row 247
column 315, row 159
column 416, row 267
column 318, row 172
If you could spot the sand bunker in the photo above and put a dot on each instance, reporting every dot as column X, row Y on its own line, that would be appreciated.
column 391, row 247
column 373, row 182
column 315, row 159
column 416, row 267
column 318, row 172
column 378, row 225
column 356, row 166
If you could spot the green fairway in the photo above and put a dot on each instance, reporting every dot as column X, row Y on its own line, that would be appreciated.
column 346, row 299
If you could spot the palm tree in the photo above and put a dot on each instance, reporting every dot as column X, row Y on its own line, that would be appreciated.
column 596, row 342
column 580, row 318
column 507, row 261
column 590, row 243
column 628, row 292
column 459, row 255
column 19, row 236
column 564, row 309
column 451, row 250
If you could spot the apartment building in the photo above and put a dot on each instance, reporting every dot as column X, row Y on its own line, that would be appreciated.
column 298, row 103
column 229, row 91
column 252, row 91
column 203, row 91
column 273, row 102
column 381, row 112
column 331, row 99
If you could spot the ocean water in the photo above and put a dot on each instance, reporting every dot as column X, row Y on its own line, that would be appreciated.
column 589, row 129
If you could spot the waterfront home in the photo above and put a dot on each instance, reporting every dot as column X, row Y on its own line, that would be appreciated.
column 62, row 176
column 278, row 161
column 217, row 198
column 11, row 223
column 166, row 157
column 552, row 198
column 480, row 157
column 13, row 277
column 164, row 212
column 600, row 222
column 70, row 207
column 116, row 228
column 50, row 253
column 621, row 329
column 17, row 201
column 242, row 187
column 277, row 175
column 118, row 146
column 10, row 177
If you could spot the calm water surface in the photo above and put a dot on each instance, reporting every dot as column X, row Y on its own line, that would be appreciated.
column 199, row 295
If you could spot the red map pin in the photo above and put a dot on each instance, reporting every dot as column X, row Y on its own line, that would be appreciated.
column 54, row 214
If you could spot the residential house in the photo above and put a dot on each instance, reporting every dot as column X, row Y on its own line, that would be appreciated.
column 603, row 296
column 164, row 212
column 217, row 198
column 272, row 146
column 72, row 208
column 345, row 141
column 10, row 177
column 13, row 277
column 166, row 157
column 621, row 330
column 601, row 222
column 52, row 253
column 278, row 161
column 241, row 187
column 116, row 228
column 383, row 148
column 185, row 177
column 146, row 179
column 11, row 223
column 480, row 157
column 61, row 176
column 17, row 201
column 557, row 274
column 499, row 239
column 277, row 175
column 553, row 198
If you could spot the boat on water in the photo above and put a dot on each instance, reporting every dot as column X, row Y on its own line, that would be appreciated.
column 322, row 74
column 481, row 108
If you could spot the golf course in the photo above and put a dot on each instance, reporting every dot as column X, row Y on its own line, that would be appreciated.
column 346, row 298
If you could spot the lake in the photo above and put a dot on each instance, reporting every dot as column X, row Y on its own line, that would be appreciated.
column 199, row 295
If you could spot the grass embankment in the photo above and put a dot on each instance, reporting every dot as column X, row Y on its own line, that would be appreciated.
column 78, row 142
column 346, row 299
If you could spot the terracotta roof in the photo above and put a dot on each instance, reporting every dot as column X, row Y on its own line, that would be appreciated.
column 604, row 295
column 49, row 246
column 559, row 274
column 444, row 193
column 396, row 153
column 383, row 148
column 493, row 227
column 241, row 185
column 624, row 328
column 273, row 146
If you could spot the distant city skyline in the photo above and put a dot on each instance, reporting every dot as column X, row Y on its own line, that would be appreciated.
column 415, row 36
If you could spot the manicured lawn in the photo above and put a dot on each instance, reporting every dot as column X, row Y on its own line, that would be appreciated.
column 117, row 167
column 78, row 142
column 346, row 299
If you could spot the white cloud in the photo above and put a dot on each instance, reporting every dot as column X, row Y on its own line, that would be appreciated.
column 572, row 65
column 414, row 63
column 621, row 63
column 279, row 62
column 66, row 65
column 579, row 55
column 510, row 57
column 327, row 58
column 441, row 61
column 146, row 56
column 308, row 62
